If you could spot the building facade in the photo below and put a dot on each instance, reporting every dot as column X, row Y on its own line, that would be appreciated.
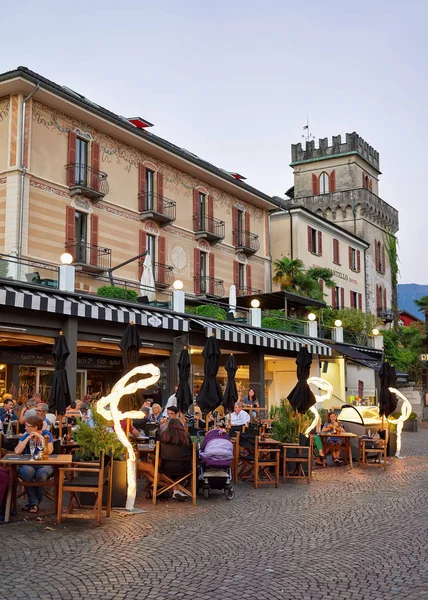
column 340, row 182
column 79, row 178
column 300, row 233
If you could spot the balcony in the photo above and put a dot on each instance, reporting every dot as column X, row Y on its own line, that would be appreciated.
column 164, row 275
column 91, row 258
column 245, row 241
column 157, row 208
column 209, row 286
column 385, row 314
column 208, row 228
column 86, row 181
column 247, row 291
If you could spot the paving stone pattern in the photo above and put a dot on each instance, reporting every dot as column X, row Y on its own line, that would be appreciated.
column 349, row 534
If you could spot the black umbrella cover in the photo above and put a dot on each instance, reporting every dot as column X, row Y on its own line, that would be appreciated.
column 184, row 395
column 130, row 345
column 387, row 400
column 210, row 395
column 231, row 393
column 60, row 397
column 301, row 396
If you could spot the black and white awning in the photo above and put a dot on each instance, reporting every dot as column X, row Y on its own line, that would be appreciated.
column 257, row 337
column 87, row 307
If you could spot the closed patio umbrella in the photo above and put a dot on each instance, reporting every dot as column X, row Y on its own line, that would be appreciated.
column 210, row 395
column 387, row 400
column 301, row 396
column 147, row 283
column 130, row 345
column 60, row 397
column 230, row 393
column 183, row 395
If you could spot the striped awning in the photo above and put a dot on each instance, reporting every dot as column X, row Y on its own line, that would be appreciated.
column 267, row 339
column 86, row 307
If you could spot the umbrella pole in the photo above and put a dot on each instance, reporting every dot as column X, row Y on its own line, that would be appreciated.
column 59, row 417
column 128, row 427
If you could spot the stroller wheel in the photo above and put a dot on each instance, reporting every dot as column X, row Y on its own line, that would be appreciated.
column 229, row 492
column 206, row 492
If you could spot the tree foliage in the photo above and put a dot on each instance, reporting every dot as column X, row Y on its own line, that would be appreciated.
column 359, row 323
column 291, row 275
column 94, row 439
column 403, row 347
column 110, row 291
column 287, row 424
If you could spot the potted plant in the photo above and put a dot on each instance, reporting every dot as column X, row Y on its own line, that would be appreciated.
column 287, row 424
column 91, row 441
column 411, row 424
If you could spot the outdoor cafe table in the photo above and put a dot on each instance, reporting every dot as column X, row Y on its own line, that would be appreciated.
column 346, row 438
column 17, row 460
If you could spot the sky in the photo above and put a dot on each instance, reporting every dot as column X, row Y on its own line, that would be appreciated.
column 234, row 81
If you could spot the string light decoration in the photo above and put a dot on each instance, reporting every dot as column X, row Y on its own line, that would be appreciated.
column 326, row 387
column 406, row 409
column 108, row 407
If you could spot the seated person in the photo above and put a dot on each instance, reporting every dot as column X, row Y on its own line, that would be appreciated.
column 172, row 401
column 29, row 410
column 156, row 415
column 334, row 444
column 7, row 413
column 35, row 433
column 141, row 423
column 172, row 413
column 132, row 430
column 174, row 434
column 73, row 411
column 42, row 411
column 239, row 416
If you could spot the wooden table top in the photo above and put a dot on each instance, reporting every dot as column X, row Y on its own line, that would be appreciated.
column 330, row 434
column 25, row 459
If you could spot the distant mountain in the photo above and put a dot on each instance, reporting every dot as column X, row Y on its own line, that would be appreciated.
column 407, row 293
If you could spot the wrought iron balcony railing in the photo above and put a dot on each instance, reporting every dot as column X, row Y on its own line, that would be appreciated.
column 247, row 291
column 208, row 228
column 156, row 207
column 90, row 257
column 245, row 241
column 209, row 286
column 164, row 275
column 83, row 179
column 385, row 314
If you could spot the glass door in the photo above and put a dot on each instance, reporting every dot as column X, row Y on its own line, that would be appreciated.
column 82, row 162
column 81, row 229
column 150, row 176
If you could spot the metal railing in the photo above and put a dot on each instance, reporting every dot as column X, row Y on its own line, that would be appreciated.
column 154, row 203
column 209, row 286
column 385, row 314
column 84, row 176
column 27, row 270
column 247, row 291
column 89, row 254
column 246, row 241
column 214, row 228
column 163, row 275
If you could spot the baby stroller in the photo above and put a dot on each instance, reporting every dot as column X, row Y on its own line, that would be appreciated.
column 215, row 459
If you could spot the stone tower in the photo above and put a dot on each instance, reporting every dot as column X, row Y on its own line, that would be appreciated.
column 341, row 182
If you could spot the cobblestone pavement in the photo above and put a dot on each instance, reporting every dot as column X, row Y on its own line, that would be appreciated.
column 349, row 535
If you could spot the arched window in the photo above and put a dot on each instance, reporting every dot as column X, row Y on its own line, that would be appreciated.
column 324, row 183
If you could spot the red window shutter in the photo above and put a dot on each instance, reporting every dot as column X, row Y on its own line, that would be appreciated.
column 384, row 299
column 350, row 256
column 236, row 274
column 358, row 261
column 196, row 224
column 95, row 163
column 197, row 270
column 142, row 243
column 309, row 238
column 378, row 297
column 335, row 251
column 94, row 240
column 333, row 297
column 247, row 229
column 235, row 225
column 319, row 243
column 360, row 302
column 70, row 223
column 333, row 181
column 141, row 187
column 370, row 184
column 342, row 297
column 159, row 183
column 161, row 270
column 364, row 180
column 248, row 282
column 71, row 158
column 376, row 256
column 383, row 259
column 315, row 185
column 210, row 214
column 212, row 270
column 351, row 299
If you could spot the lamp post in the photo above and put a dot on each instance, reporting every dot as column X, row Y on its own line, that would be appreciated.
column 255, row 313
column 338, row 331
column 66, row 273
column 178, row 299
column 312, row 325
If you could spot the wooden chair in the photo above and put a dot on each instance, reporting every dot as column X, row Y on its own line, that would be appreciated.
column 180, row 464
column 255, row 462
column 365, row 448
column 87, row 477
column 299, row 455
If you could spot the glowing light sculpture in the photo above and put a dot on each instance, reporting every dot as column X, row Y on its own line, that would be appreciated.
column 325, row 386
column 406, row 409
column 108, row 408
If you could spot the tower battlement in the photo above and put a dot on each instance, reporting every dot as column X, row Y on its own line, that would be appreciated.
column 354, row 143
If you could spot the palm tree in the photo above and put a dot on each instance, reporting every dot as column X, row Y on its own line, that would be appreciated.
column 287, row 272
column 291, row 275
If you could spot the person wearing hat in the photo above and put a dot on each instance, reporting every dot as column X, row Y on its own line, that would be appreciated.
column 7, row 413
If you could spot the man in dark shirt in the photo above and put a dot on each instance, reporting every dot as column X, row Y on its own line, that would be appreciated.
column 7, row 413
